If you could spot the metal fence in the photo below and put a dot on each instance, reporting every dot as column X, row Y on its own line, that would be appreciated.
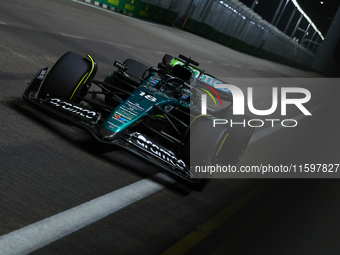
column 234, row 19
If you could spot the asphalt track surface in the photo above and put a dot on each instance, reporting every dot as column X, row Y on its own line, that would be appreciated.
column 62, row 193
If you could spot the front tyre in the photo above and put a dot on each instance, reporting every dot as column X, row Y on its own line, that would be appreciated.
column 66, row 80
column 200, row 183
column 201, row 148
column 237, row 141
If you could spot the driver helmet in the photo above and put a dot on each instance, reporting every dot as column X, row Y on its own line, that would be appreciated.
column 182, row 72
column 170, row 88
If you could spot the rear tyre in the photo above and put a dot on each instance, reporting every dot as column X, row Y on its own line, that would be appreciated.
column 166, row 63
column 135, row 68
column 66, row 78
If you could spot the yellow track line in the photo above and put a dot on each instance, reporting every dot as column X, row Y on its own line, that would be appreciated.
column 208, row 227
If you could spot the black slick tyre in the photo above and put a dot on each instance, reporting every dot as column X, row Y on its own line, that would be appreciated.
column 135, row 68
column 66, row 78
column 201, row 146
column 237, row 140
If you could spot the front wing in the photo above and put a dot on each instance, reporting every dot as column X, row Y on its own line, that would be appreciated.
column 88, row 120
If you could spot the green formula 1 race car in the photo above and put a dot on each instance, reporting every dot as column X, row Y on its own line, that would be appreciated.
column 152, row 112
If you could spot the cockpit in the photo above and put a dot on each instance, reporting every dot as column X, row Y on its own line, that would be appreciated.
column 176, row 86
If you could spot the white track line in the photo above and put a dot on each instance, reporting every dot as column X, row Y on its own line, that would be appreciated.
column 72, row 36
column 41, row 233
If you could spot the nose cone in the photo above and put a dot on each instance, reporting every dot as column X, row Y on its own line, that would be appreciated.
column 107, row 134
